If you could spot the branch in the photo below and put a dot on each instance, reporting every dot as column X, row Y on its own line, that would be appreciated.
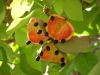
column 94, row 39
column 95, row 49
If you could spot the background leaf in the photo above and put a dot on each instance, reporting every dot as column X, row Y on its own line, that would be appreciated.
column 73, row 9
column 2, row 11
column 75, row 45
column 86, row 61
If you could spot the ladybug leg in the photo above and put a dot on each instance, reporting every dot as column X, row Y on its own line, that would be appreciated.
column 28, row 42
column 63, row 41
column 62, row 64
column 37, row 58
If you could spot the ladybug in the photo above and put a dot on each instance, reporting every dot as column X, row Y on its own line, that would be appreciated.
column 36, row 31
column 59, row 28
column 50, row 53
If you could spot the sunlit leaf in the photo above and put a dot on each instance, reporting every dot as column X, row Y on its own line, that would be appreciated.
column 19, row 22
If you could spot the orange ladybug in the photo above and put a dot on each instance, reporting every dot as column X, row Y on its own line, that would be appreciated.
column 59, row 28
column 50, row 53
column 36, row 31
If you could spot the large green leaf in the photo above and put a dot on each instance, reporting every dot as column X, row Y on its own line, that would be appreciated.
column 9, row 52
column 2, row 11
column 85, row 62
column 31, row 51
column 17, row 71
column 75, row 45
column 21, row 36
column 5, row 69
column 58, row 6
column 68, row 68
column 26, row 68
column 4, row 65
column 89, row 1
column 95, row 70
column 3, row 33
column 73, row 9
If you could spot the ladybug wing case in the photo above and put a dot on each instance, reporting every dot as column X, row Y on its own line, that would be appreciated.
column 59, row 28
column 50, row 53
column 36, row 31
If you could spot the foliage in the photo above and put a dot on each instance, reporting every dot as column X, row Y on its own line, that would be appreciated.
column 17, row 58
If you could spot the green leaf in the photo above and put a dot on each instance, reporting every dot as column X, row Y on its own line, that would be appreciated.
column 73, row 9
column 85, row 62
column 3, row 33
column 54, row 70
column 68, row 68
column 9, row 52
column 20, row 8
column 58, row 6
column 4, row 54
column 21, row 36
column 95, row 70
column 31, row 51
column 48, row 2
column 89, row 1
column 43, row 65
column 19, row 22
column 26, row 68
column 17, row 71
column 5, row 69
column 75, row 45
column 2, row 11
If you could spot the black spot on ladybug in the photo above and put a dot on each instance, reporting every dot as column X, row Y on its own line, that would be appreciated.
column 39, row 32
column 55, row 41
column 41, row 42
column 41, row 53
column 28, row 42
column 45, row 24
column 62, row 64
column 37, row 58
column 63, row 41
column 36, row 24
column 62, row 59
column 52, row 18
column 48, row 48
column 46, row 34
column 56, row 52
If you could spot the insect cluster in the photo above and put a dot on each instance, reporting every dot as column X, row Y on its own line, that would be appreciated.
column 56, row 29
